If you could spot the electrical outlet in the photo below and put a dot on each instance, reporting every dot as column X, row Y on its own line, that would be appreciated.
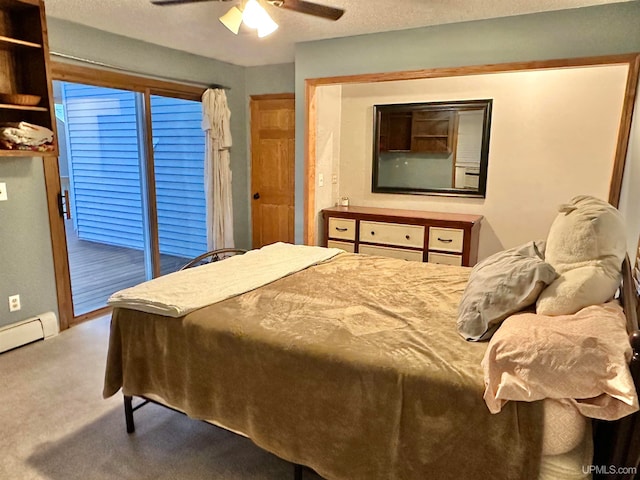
column 3, row 191
column 334, row 178
column 14, row 303
column 321, row 180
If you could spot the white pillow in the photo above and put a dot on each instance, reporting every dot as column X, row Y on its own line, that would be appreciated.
column 586, row 246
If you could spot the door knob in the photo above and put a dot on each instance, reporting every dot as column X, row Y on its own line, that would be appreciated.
column 256, row 196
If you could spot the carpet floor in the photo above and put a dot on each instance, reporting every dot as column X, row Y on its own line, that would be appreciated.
column 55, row 425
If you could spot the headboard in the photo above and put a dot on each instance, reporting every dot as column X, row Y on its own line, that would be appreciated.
column 629, row 293
column 635, row 275
column 617, row 443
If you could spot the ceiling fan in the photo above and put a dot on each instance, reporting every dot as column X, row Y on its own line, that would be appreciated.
column 301, row 6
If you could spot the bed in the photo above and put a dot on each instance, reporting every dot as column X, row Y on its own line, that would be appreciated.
column 353, row 367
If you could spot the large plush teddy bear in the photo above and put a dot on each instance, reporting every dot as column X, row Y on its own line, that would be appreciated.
column 586, row 246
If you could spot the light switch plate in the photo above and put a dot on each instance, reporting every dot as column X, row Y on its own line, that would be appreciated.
column 3, row 191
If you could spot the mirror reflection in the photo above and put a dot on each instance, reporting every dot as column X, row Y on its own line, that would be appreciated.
column 435, row 148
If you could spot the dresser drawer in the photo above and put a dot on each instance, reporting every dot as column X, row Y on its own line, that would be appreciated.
column 392, row 234
column 346, row 246
column 446, row 239
column 444, row 258
column 342, row 228
column 412, row 255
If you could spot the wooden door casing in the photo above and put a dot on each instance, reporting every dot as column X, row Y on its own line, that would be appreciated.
column 272, row 168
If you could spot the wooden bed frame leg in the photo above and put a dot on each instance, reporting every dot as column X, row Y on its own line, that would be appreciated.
column 128, row 414
column 297, row 472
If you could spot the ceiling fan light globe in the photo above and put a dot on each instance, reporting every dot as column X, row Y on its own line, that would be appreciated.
column 267, row 28
column 254, row 15
column 232, row 19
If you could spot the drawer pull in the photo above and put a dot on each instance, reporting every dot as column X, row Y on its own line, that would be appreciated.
column 343, row 229
column 372, row 232
column 445, row 240
column 408, row 237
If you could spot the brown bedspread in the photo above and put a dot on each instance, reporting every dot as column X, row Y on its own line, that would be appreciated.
column 352, row 367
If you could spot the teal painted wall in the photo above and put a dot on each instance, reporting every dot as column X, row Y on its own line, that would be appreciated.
column 270, row 79
column 26, row 264
column 601, row 30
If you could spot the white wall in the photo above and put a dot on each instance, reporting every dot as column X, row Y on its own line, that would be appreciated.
column 327, row 149
column 630, row 194
column 553, row 136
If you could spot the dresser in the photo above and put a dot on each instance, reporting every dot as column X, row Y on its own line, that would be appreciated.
column 450, row 238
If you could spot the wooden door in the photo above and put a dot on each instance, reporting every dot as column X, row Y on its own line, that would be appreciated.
column 272, row 168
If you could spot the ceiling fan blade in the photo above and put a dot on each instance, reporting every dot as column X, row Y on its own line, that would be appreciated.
column 309, row 8
column 162, row 3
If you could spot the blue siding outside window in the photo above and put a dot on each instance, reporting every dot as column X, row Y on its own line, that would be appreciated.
column 179, row 150
column 101, row 127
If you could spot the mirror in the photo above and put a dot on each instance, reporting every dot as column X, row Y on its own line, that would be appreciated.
column 435, row 148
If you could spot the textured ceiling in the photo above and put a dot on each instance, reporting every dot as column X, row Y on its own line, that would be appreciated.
column 195, row 27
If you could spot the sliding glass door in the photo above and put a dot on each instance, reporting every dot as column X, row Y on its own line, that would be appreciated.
column 178, row 152
column 132, row 179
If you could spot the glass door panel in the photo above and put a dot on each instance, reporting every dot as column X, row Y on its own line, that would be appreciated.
column 178, row 152
column 102, row 171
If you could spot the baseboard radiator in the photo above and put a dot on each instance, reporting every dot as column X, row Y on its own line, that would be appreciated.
column 18, row 334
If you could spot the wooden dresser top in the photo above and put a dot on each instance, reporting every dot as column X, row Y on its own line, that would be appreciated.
column 393, row 212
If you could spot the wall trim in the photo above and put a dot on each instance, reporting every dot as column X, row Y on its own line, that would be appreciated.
column 273, row 96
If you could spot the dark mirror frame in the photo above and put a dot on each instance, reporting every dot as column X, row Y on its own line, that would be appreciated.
column 447, row 106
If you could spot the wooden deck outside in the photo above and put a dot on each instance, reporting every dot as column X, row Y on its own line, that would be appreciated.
column 98, row 270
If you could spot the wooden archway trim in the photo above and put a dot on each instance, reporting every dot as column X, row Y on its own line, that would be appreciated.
column 311, row 84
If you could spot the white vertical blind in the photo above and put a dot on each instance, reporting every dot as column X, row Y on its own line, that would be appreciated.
column 469, row 148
